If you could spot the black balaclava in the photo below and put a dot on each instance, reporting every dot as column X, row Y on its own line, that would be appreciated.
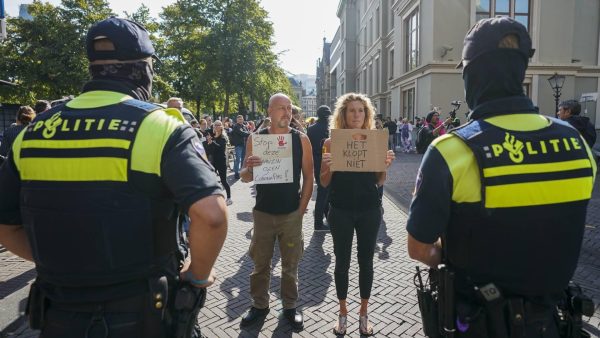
column 134, row 79
column 493, row 75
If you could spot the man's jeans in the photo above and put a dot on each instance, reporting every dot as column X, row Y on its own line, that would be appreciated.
column 240, row 153
column 286, row 229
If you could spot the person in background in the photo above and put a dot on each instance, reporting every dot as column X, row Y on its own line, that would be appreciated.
column 41, row 106
column 439, row 124
column 239, row 135
column 355, row 206
column 569, row 111
column 391, row 127
column 217, row 147
column 251, row 126
column 405, row 133
column 317, row 134
column 430, row 130
column 296, row 122
column 24, row 116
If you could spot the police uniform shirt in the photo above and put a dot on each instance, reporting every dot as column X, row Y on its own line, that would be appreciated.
column 449, row 179
column 180, row 166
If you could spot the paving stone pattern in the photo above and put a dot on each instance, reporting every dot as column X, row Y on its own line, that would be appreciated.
column 393, row 311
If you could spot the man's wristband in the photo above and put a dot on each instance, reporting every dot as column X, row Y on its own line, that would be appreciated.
column 190, row 278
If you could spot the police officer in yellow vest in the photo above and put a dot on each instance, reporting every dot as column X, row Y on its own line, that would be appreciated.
column 91, row 192
column 502, row 199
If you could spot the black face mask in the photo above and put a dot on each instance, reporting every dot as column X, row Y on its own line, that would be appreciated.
column 134, row 79
column 494, row 75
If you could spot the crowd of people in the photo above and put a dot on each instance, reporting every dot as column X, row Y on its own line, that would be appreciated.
column 131, row 271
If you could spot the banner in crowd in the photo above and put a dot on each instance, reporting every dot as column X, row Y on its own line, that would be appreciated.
column 359, row 149
column 275, row 152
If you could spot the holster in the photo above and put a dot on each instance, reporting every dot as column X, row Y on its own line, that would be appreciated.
column 37, row 303
column 188, row 302
column 429, row 313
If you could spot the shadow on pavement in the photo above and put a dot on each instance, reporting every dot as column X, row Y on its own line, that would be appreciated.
column 245, row 216
column 314, row 279
column 253, row 330
column 16, row 283
column 236, row 289
column 385, row 241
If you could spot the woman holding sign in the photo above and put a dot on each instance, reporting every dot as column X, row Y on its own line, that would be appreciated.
column 354, row 205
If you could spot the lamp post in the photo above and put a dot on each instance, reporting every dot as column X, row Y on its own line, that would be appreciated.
column 2, row 21
column 556, row 82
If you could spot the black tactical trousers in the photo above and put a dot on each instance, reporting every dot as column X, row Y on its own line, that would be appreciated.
column 130, row 318
column 538, row 323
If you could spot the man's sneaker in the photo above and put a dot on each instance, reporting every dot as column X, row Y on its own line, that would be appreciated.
column 229, row 201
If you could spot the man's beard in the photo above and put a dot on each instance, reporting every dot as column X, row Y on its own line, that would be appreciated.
column 283, row 123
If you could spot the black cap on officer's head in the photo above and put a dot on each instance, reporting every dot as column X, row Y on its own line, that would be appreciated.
column 486, row 35
column 131, row 40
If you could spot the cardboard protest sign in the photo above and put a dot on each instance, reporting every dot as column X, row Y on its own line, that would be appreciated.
column 359, row 150
column 275, row 152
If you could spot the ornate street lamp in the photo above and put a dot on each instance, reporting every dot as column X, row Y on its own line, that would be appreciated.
column 556, row 82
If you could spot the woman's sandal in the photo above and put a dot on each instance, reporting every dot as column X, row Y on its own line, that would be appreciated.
column 364, row 327
column 340, row 328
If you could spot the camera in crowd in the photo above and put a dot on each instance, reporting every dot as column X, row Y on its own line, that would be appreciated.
column 455, row 121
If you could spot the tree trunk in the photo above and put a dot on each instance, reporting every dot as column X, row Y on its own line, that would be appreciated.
column 198, row 108
column 226, row 106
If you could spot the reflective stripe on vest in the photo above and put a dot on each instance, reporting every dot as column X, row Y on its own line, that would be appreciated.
column 79, row 207
column 530, row 168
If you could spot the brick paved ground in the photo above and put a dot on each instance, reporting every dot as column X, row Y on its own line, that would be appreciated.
column 394, row 312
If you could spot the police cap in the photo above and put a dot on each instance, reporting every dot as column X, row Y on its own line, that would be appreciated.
column 130, row 39
column 486, row 35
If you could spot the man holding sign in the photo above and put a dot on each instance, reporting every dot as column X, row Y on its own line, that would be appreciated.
column 276, row 156
column 354, row 167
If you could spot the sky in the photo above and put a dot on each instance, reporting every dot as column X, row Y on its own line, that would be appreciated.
column 299, row 25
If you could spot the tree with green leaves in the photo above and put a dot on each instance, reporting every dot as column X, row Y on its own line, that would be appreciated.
column 221, row 53
column 46, row 56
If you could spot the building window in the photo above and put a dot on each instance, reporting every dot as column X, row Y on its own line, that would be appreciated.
column 343, row 61
column 412, row 40
column 391, row 64
column 377, row 23
column 371, row 31
column 377, row 90
column 391, row 20
column 408, row 103
column 371, row 79
column 527, row 89
column 517, row 9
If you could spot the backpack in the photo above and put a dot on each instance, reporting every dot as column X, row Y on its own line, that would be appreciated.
column 421, row 142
